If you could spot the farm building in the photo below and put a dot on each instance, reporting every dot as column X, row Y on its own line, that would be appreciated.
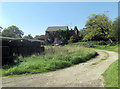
column 50, row 31
column 12, row 48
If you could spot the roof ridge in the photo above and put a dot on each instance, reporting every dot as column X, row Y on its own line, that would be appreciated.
column 58, row 26
column 54, row 28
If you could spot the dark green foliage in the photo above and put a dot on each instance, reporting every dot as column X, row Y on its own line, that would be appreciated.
column 75, row 28
column 62, row 34
column 101, row 43
column 116, row 29
column 72, row 39
column 12, row 31
column 76, row 33
column 39, row 37
column 28, row 37
column 82, row 34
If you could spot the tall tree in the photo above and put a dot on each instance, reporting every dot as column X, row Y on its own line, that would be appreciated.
column 39, row 37
column 75, row 28
column 12, row 31
column 29, row 36
column 76, row 33
column 82, row 33
column 116, row 29
column 98, row 27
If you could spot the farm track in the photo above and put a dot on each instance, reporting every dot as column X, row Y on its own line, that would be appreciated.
column 81, row 75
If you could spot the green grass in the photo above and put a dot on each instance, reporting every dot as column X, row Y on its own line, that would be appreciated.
column 85, row 44
column 95, row 45
column 52, row 59
column 111, row 75
column 107, row 47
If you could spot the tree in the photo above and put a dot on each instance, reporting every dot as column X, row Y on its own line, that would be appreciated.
column 82, row 33
column 76, row 33
column 39, row 37
column 72, row 39
column 12, row 31
column 28, row 37
column 75, row 28
column 98, row 27
column 116, row 29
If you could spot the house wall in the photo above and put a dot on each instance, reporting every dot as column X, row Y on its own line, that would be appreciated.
column 50, row 34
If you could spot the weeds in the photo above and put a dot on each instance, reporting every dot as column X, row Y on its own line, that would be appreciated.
column 52, row 59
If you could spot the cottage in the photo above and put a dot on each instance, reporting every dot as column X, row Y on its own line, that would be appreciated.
column 50, row 34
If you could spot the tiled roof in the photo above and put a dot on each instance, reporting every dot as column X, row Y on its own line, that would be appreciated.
column 54, row 28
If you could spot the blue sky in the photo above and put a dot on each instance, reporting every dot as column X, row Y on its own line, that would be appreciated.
column 34, row 17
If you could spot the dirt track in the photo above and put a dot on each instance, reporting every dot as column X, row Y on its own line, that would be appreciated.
column 81, row 75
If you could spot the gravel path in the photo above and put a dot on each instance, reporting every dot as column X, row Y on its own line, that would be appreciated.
column 81, row 75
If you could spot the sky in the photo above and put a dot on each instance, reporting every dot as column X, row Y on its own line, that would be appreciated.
column 34, row 17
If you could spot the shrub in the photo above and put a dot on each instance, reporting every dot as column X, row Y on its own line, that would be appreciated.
column 102, row 43
column 72, row 39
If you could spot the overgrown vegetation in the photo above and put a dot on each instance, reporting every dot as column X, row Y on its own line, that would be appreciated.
column 52, row 59
column 62, row 34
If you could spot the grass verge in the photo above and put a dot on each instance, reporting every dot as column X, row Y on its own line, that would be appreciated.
column 111, row 75
column 96, row 46
column 52, row 59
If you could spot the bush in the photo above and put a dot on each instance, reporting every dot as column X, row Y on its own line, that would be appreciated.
column 102, row 43
column 72, row 39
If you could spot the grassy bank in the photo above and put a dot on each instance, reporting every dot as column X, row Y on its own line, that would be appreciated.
column 52, row 59
column 97, row 46
column 111, row 75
